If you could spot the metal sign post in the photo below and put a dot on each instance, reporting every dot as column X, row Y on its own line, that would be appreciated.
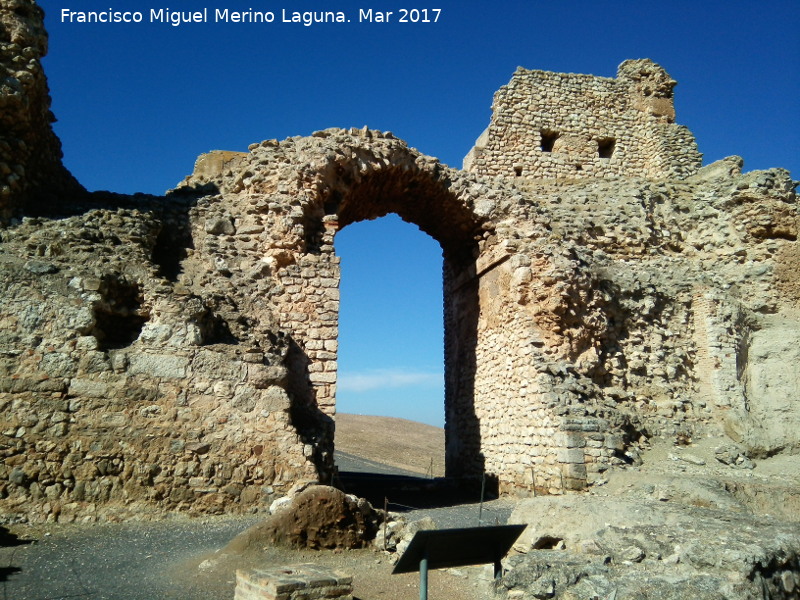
column 423, row 577
column 445, row 548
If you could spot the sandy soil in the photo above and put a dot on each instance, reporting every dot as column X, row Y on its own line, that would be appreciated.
column 371, row 570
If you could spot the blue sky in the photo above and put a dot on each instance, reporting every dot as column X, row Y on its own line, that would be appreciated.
column 136, row 103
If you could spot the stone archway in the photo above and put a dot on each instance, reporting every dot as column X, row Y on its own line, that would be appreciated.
column 581, row 314
column 363, row 185
column 421, row 200
column 513, row 404
column 238, row 349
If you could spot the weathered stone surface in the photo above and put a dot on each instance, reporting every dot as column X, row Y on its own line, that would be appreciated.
column 158, row 365
column 772, row 418
column 675, row 529
column 293, row 582
column 31, row 172
column 583, row 314
column 567, row 126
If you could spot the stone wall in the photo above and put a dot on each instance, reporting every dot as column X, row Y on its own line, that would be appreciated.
column 554, row 125
column 31, row 173
column 124, row 394
column 576, row 313
column 309, row 188
column 180, row 353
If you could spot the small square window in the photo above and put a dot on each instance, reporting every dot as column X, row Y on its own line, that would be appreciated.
column 605, row 147
column 548, row 140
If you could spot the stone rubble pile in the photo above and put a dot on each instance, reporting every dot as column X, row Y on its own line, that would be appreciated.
column 681, row 527
column 316, row 517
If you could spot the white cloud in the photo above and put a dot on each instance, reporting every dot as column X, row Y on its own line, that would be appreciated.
column 387, row 378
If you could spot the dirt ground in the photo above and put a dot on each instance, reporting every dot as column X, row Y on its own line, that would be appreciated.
column 371, row 570
column 183, row 560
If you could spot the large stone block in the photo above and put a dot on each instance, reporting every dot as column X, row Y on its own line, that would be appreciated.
column 158, row 365
column 293, row 582
column 770, row 419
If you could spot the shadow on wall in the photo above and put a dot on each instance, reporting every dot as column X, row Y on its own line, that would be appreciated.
column 314, row 427
column 463, row 456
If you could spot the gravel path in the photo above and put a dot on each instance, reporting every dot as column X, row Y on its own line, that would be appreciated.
column 111, row 562
column 356, row 464
column 493, row 512
column 151, row 560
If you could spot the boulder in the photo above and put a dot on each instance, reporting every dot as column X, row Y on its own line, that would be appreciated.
column 319, row 517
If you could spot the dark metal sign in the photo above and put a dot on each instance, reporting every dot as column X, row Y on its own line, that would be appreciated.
column 445, row 548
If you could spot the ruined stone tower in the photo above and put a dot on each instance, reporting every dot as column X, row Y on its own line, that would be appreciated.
column 566, row 126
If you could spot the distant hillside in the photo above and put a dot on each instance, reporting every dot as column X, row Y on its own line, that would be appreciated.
column 397, row 442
